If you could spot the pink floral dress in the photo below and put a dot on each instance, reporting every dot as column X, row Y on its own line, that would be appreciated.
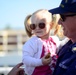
column 48, row 46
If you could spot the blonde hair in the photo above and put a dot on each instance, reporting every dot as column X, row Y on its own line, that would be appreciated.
column 57, row 28
column 43, row 12
column 27, row 23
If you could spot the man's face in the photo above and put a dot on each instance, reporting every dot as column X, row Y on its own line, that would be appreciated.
column 68, row 21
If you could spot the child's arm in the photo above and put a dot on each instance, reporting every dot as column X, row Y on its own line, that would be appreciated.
column 30, row 60
column 62, row 43
column 30, row 54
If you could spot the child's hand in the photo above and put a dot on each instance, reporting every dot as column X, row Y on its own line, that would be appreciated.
column 46, row 60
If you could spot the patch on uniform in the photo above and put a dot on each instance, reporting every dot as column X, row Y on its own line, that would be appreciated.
column 63, row 66
column 74, row 49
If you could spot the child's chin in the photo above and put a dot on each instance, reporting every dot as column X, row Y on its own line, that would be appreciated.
column 39, row 36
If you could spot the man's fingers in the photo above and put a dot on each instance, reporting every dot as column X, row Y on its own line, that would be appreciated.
column 18, row 65
column 20, row 71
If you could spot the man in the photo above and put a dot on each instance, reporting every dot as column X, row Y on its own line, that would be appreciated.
column 66, row 64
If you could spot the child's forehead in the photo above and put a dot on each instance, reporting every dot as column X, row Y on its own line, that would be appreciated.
column 39, row 19
column 43, row 17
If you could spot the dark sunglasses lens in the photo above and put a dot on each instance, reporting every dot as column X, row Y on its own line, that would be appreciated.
column 32, row 26
column 41, row 25
column 63, row 17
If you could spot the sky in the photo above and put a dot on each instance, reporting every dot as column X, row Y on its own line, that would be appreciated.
column 13, row 12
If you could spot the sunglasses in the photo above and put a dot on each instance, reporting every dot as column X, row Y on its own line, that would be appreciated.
column 63, row 17
column 40, row 25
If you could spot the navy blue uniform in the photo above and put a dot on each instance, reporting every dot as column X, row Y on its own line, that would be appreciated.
column 66, row 64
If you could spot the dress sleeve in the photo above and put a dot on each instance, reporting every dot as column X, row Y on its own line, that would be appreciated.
column 60, row 43
column 57, row 41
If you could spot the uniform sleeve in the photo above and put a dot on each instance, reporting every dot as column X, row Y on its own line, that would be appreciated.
column 29, row 51
column 71, row 69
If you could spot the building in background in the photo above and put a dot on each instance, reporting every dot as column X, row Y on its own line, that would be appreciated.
column 11, row 43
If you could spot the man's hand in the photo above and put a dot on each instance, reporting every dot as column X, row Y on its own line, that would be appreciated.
column 17, row 70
